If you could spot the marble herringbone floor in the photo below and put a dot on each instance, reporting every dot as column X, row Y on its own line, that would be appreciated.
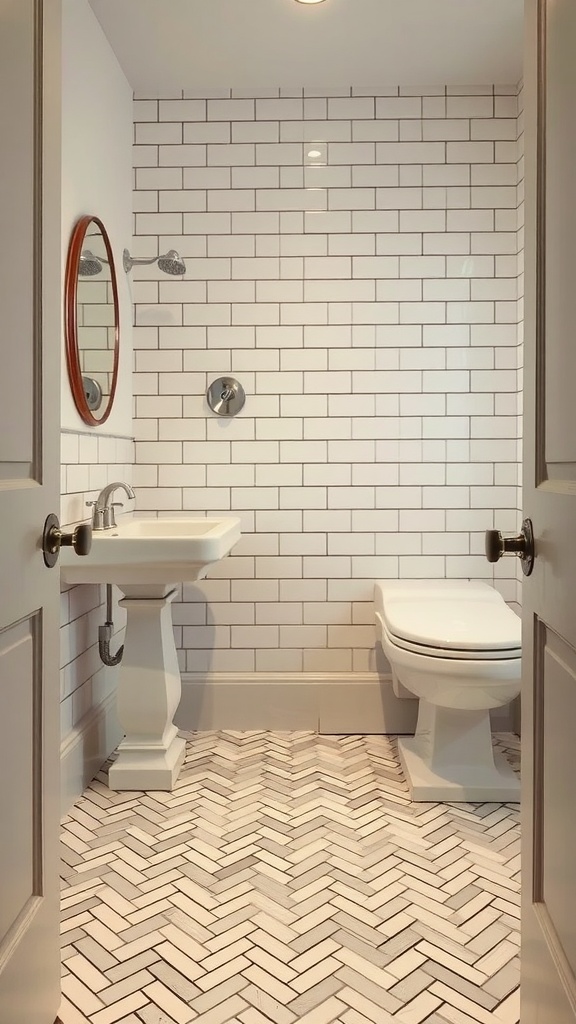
column 289, row 878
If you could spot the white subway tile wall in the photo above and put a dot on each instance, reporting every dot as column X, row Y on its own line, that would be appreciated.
column 353, row 260
column 89, row 462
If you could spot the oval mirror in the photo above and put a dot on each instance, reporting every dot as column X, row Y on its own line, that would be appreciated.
column 91, row 320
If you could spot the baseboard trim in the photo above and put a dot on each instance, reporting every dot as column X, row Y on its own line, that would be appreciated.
column 84, row 750
column 347, row 702
column 337, row 703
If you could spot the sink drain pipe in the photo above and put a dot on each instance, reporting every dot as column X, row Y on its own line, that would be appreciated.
column 105, row 634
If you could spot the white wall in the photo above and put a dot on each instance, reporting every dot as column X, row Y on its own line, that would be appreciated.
column 369, row 307
column 97, row 173
column 96, row 179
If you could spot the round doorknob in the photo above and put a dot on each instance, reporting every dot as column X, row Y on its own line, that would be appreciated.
column 521, row 545
column 80, row 538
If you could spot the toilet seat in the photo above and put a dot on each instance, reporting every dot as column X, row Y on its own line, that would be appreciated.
column 461, row 654
column 462, row 620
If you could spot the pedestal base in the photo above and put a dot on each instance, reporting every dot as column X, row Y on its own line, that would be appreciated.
column 145, row 768
column 151, row 754
column 452, row 758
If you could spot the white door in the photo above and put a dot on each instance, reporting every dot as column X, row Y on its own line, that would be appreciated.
column 548, row 985
column 30, row 302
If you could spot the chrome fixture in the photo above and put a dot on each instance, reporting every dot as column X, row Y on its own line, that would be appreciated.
column 103, row 515
column 521, row 545
column 105, row 635
column 169, row 263
column 93, row 392
column 89, row 265
column 226, row 396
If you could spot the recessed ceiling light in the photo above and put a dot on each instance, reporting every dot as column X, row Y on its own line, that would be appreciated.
column 310, row 1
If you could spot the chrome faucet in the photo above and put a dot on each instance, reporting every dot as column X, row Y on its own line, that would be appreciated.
column 103, row 515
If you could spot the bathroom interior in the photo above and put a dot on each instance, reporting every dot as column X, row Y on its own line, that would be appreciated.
column 324, row 213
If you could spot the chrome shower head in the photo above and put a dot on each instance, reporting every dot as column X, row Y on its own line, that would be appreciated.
column 89, row 265
column 169, row 263
column 172, row 263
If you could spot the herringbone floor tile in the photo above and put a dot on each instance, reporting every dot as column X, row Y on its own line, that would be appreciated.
column 289, row 878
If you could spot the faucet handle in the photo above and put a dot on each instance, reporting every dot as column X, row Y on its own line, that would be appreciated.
column 112, row 514
column 97, row 515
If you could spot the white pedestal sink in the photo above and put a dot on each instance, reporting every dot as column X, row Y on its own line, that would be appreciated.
column 145, row 558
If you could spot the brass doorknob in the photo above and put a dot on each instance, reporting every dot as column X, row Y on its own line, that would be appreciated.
column 53, row 539
column 521, row 545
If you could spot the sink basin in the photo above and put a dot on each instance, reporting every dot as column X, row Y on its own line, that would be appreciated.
column 152, row 551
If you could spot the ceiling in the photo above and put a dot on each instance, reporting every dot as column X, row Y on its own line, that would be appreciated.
column 167, row 45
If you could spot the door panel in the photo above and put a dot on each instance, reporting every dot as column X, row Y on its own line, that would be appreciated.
column 548, row 985
column 559, row 311
column 30, row 332
column 553, row 838
column 18, row 225
column 20, row 746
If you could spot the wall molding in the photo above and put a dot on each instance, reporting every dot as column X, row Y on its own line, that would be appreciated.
column 101, row 433
column 85, row 748
column 325, row 702
column 347, row 702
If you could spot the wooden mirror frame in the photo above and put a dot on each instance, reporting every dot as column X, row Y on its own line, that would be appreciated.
column 71, row 319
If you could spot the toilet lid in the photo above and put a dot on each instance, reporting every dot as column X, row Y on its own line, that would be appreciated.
column 475, row 624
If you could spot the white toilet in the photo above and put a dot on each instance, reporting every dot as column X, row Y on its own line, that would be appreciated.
column 457, row 646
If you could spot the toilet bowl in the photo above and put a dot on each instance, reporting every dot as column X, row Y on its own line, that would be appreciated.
column 457, row 646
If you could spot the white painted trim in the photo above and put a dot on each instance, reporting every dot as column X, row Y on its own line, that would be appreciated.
column 85, row 748
column 101, row 433
column 347, row 702
column 339, row 703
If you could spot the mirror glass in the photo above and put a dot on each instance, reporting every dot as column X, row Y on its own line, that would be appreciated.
column 92, row 322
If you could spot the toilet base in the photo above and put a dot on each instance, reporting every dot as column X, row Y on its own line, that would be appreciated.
column 452, row 758
column 497, row 784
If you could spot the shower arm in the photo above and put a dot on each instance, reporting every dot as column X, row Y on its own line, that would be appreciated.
column 134, row 261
